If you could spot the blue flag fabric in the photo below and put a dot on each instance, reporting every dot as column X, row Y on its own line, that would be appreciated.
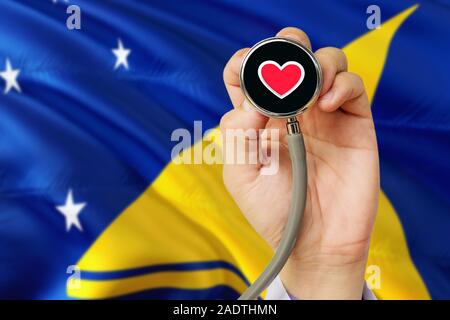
column 75, row 127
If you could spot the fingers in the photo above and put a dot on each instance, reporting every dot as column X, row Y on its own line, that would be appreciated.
column 231, row 77
column 240, row 133
column 337, row 89
column 332, row 62
column 242, row 119
column 340, row 88
column 347, row 92
column 295, row 34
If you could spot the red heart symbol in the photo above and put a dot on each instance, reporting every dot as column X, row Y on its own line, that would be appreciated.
column 281, row 80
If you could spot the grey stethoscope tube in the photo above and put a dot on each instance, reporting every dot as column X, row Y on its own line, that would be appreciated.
column 299, row 191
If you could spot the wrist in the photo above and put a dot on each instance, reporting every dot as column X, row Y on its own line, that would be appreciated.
column 325, row 278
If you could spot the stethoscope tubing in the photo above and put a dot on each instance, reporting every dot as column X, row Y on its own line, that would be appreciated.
column 298, row 201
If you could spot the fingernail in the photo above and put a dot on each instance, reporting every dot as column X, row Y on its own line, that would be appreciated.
column 328, row 96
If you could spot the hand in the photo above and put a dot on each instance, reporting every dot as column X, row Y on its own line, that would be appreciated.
column 328, row 261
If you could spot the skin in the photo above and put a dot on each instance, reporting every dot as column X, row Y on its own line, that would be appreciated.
column 329, row 259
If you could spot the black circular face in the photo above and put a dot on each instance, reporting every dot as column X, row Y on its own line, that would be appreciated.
column 280, row 77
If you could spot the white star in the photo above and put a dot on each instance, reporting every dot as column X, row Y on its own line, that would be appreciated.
column 10, row 76
column 70, row 211
column 121, row 54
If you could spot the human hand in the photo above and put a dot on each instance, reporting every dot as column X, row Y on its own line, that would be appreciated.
column 328, row 261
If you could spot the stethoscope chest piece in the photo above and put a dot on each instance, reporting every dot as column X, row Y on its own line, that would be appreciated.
column 280, row 77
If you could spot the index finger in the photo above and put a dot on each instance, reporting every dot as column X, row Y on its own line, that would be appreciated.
column 231, row 77
column 295, row 34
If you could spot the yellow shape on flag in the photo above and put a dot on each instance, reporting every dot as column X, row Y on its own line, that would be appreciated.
column 389, row 250
column 187, row 216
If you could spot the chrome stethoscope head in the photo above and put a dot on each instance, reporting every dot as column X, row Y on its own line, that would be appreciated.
column 280, row 77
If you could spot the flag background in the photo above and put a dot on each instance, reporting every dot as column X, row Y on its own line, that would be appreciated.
column 155, row 230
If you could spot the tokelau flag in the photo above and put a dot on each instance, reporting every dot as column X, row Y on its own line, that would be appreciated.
column 91, row 202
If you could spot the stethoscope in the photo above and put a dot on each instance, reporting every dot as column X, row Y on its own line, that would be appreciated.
column 281, row 79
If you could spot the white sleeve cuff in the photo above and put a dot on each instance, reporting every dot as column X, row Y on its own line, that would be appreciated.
column 368, row 294
column 277, row 291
